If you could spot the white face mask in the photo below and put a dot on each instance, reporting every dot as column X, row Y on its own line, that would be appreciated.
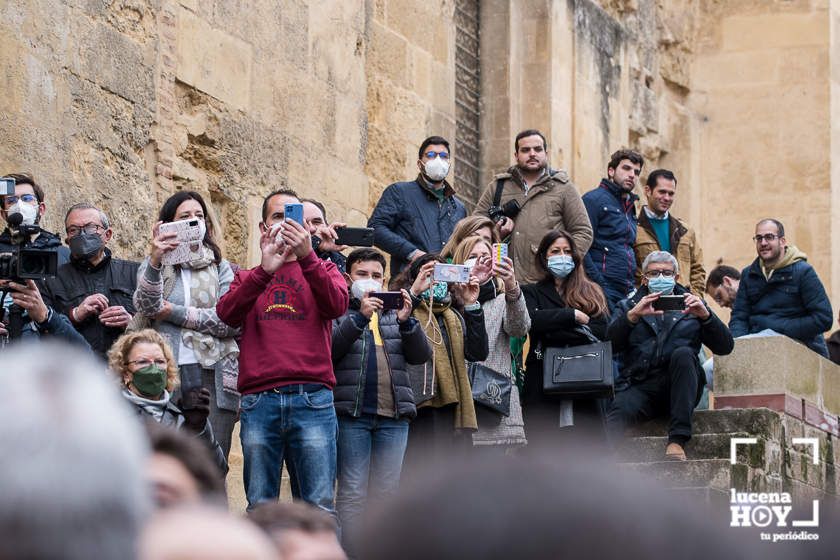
column 360, row 287
column 202, row 229
column 28, row 211
column 437, row 169
column 470, row 263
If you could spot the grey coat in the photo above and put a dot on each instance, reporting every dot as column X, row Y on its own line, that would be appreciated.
column 403, row 343
column 148, row 299
column 504, row 319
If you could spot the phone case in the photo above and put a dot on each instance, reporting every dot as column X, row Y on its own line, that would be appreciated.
column 451, row 273
column 189, row 235
column 390, row 300
column 355, row 237
column 293, row 212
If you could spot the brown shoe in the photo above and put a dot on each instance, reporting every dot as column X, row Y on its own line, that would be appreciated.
column 674, row 452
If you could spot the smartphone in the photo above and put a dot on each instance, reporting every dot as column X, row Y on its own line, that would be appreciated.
column 293, row 212
column 188, row 234
column 451, row 273
column 390, row 300
column 500, row 250
column 355, row 236
column 190, row 375
column 670, row 303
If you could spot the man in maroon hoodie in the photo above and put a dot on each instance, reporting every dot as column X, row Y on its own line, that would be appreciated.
column 285, row 307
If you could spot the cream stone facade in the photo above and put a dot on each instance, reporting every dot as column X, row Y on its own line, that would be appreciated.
column 121, row 102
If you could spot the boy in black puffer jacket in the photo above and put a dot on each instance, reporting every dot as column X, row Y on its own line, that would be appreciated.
column 373, row 397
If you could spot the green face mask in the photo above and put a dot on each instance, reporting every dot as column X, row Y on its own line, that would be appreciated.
column 150, row 380
column 439, row 289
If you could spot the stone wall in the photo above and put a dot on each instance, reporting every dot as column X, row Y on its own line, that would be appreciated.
column 123, row 101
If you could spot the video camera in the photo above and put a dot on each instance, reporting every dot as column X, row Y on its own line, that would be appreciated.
column 24, row 263
column 509, row 209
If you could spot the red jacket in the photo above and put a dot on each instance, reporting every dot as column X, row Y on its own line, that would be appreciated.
column 286, row 322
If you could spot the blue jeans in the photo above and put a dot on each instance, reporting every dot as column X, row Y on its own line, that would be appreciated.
column 299, row 425
column 370, row 457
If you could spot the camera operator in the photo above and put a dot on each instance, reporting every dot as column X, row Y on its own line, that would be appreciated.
column 38, row 318
column 531, row 199
column 94, row 290
column 41, row 320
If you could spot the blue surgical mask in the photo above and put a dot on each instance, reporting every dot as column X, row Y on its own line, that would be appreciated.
column 439, row 289
column 561, row 265
column 661, row 284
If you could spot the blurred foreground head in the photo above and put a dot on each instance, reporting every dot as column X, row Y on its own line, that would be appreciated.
column 544, row 507
column 299, row 531
column 71, row 475
column 201, row 532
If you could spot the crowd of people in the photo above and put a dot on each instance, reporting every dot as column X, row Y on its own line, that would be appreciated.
column 355, row 395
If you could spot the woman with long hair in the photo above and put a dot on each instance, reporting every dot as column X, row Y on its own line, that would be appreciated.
column 453, row 322
column 563, row 301
column 505, row 316
column 480, row 226
column 180, row 302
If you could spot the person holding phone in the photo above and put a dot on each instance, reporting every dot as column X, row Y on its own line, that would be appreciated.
column 148, row 371
column 179, row 301
column 453, row 322
column 505, row 317
column 662, row 374
column 563, row 303
column 285, row 307
column 371, row 346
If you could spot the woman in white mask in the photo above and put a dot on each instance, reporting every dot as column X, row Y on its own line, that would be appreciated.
column 505, row 316
column 179, row 301
column 563, row 301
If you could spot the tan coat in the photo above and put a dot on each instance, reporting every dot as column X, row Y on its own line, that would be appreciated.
column 689, row 255
column 553, row 202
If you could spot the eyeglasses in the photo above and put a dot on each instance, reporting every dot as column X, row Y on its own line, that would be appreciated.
column 73, row 231
column 767, row 237
column 433, row 155
column 651, row 274
column 145, row 362
column 12, row 199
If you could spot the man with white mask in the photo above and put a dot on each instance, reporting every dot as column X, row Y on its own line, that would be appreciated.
column 28, row 201
column 371, row 345
column 413, row 218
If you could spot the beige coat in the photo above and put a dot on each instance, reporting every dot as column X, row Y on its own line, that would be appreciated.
column 688, row 254
column 553, row 202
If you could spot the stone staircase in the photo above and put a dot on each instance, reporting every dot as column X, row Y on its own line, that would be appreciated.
column 769, row 465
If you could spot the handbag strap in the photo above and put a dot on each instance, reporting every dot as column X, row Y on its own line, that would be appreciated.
column 587, row 332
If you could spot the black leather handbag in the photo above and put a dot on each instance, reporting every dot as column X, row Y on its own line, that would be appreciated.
column 579, row 371
column 490, row 388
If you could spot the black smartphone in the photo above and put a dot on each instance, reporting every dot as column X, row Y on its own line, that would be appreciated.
column 390, row 300
column 670, row 303
column 355, row 236
column 190, row 375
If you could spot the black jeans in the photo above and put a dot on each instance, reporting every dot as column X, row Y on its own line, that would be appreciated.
column 674, row 391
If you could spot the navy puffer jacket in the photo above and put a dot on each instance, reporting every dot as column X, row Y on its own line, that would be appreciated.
column 793, row 302
column 403, row 344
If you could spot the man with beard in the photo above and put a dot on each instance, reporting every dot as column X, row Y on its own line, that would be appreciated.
column 780, row 291
column 530, row 199
column 417, row 217
column 94, row 290
column 611, row 261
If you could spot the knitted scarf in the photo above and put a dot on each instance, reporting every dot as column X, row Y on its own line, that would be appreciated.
column 449, row 369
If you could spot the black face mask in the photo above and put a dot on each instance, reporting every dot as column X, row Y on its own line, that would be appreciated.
column 85, row 246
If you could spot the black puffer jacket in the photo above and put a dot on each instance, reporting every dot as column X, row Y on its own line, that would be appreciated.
column 648, row 344
column 403, row 344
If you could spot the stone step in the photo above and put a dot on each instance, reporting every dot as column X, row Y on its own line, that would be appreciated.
column 648, row 449
column 756, row 422
column 716, row 474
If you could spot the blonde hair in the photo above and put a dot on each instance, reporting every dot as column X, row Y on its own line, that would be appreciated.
column 462, row 253
column 467, row 227
column 118, row 354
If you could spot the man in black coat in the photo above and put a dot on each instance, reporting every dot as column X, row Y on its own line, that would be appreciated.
column 662, row 373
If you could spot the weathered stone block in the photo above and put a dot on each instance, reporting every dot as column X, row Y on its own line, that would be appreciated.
column 213, row 61
column 774, row 30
